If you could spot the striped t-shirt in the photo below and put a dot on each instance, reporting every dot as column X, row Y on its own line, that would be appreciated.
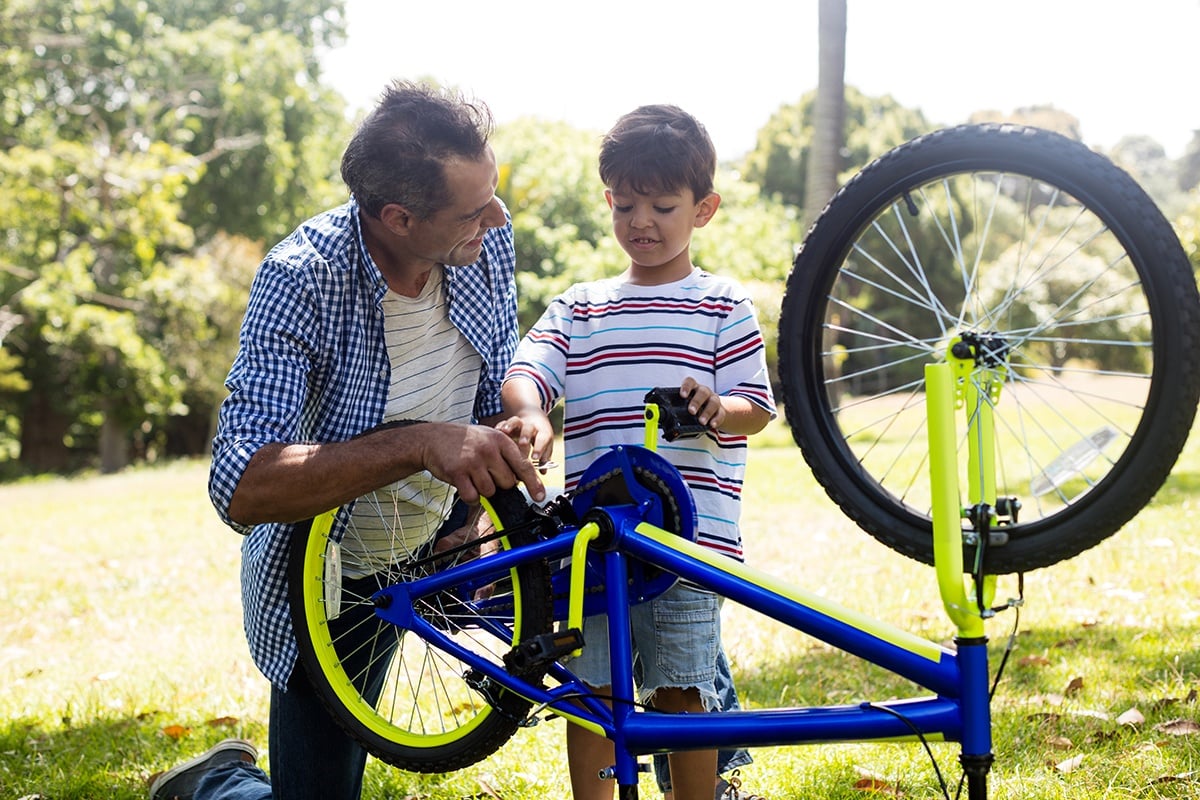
column 435, row 372
column 603, row 345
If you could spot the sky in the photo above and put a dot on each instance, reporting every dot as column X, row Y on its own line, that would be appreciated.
column 1121, row 68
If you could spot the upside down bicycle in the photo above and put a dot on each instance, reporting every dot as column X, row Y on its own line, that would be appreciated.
column 989, row 360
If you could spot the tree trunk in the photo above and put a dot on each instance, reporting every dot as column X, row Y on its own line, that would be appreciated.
column 829, row 111
column 114, row 444
column 43, row 430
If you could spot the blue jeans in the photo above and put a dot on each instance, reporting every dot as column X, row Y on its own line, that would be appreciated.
column 312, row 758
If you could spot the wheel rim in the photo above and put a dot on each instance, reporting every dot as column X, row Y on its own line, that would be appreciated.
column 421, row 701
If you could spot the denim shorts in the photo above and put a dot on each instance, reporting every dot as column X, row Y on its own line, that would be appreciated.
column 676, row 641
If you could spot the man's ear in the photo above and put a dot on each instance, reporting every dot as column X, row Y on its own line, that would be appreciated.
column 396, row 218
column 706, row 208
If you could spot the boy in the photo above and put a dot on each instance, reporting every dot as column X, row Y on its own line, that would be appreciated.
column 602, row 345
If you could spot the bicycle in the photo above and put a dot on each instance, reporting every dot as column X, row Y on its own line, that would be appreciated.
column 466, row 647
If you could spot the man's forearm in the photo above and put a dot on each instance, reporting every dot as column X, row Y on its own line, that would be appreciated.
column 291, row 482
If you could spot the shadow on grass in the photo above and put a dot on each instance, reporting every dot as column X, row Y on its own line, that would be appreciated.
column 101, row 759
column 1117, row 703
column 1098, row 672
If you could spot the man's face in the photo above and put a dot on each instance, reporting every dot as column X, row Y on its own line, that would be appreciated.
column 454, row 235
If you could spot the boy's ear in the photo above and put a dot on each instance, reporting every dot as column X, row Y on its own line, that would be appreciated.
column 706, row 208
column 608, row 197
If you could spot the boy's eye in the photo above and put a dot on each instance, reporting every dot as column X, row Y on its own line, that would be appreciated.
column 657, row 209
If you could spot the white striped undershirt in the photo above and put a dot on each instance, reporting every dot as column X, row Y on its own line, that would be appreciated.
column 434, row 376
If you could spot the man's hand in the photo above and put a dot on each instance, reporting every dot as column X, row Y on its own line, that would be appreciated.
column 292, row 482
column 477, row 460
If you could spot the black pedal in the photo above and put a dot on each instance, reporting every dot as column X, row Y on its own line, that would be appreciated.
column 673, row 415
column 541, row 650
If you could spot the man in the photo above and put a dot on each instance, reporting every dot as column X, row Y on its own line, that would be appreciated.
column 327, row 353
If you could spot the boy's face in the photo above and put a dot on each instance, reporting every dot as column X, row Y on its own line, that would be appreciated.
column 656, row 230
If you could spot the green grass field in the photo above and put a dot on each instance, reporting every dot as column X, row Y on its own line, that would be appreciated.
column 122, row 650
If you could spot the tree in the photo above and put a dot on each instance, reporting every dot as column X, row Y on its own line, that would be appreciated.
column 1038, row 116
column 1146, row 160
column 133, row 135
column 563, row 232
column 1189, row 165
column 829, row 111
column 779, row 162
column 1187, row 226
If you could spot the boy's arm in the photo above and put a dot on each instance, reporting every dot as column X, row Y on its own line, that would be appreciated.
column 527, row 422
column 729, row 413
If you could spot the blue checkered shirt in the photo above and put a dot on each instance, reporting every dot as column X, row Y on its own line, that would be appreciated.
column 312, row 366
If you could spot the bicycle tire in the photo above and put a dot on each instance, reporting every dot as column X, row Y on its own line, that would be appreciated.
column 420, row 712
column 1027, row 237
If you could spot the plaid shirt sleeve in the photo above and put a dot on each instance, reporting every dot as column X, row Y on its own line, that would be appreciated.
column 483, row 305
column 312, row 366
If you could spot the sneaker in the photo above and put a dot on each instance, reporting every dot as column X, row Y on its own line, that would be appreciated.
column 180, row 783
column 732, row 789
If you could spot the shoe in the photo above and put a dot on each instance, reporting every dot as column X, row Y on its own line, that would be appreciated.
column 732, row 789
column 180, row 782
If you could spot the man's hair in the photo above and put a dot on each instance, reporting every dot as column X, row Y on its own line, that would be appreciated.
column 658, row 148
column 398, row 152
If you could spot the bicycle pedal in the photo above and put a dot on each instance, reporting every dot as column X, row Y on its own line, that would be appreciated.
column 542, row 649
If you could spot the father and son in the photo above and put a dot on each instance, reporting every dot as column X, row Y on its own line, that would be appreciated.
column 400, row 305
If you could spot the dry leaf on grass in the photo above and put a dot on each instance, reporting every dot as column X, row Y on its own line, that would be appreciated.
column 1070, row 765
column 1131, row 717
column 1178, row 727
column 1183, row 776
column 176, row 732
column 222, row 722
column 876, row 786
column 870, row 782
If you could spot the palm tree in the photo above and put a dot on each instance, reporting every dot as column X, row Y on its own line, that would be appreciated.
column 829, row 111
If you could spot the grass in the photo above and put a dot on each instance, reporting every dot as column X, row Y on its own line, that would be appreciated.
column 123, row 654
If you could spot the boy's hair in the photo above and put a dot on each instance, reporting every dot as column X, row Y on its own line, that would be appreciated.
column 398, row 152
column 658, row 148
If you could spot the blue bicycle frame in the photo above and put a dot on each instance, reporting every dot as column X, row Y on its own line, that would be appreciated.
column 614, row 537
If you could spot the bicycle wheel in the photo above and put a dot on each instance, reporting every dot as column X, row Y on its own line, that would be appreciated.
column 1046, row 258
column 410, row 704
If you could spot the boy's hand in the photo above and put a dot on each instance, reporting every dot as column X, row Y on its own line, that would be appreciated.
column 531, row 430
column 703, row 403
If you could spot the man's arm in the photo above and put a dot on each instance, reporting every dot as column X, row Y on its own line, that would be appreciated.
column 290, row 482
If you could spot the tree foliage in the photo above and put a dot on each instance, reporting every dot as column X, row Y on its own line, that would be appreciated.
column 563, row 231
column 134, row 135
column 779, row 161
column 149, row 152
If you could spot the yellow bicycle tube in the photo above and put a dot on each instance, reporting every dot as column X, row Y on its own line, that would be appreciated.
column 650, row 433
column 940, row 385
column 918, row 645
column 583, row 537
